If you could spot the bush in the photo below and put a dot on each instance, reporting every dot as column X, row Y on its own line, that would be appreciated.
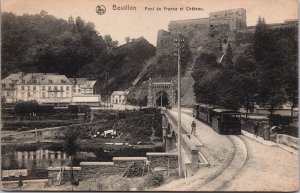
column 280, row 120
column 288, row 130
column 26, row 107
column 45, row 109
column 73, row 109
column 149, row 110
column 155, row 179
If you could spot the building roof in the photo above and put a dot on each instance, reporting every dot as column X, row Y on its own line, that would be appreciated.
column 120, row 92
column 12, row 77
column 45, row 79
column 91, row 98
column 83, row 82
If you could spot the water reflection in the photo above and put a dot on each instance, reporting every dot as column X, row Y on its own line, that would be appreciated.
column 32, row 160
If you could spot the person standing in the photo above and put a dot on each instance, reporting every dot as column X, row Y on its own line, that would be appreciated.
column 267, row 129
column 193, row 132
column 256, row 127
column 268, row 132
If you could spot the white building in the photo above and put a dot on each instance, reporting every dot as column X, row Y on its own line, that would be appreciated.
column 119, row 97
column 48, row 89
column 9, row 87
column 45, row 89
column 84, row 93
column 82, row 86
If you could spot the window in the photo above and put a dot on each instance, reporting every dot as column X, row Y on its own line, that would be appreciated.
column 43, row 87
column 34, row 87
column 67, row 88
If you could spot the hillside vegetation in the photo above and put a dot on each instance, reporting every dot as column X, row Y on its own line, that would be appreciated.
column 262, row 71
column 44, row 43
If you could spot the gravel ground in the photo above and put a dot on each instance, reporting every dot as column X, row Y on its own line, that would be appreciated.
column 269, row 168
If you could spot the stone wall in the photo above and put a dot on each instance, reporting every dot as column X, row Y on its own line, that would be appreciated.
column 96, row 169
column 162, row 159
column 53, row 173
column 288, row 140
column 208, row 34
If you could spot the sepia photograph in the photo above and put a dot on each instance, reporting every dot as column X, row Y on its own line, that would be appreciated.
column 139, row 95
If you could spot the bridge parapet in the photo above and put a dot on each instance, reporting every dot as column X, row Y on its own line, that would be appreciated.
column 191, row 156
column 191, row 151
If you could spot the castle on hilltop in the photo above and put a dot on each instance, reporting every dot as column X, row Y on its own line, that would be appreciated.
column 213, row 33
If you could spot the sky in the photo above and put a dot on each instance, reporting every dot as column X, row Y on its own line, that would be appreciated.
column 143, row 22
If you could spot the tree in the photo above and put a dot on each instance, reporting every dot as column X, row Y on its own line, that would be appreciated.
column 109, row 43
column 71, row 136
column 127, row 39
column 246, row 75
column 207, row 73
column 269, row 56
column 261, row 39
column 291, row 87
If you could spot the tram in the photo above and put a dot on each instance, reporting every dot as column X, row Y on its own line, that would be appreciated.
column 224, row 121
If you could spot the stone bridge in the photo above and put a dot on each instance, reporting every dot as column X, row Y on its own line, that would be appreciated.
column 192, row 159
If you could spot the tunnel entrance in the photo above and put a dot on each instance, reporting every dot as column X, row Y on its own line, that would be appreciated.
column 162, row 99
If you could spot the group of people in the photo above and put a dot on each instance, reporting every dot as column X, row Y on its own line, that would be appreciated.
column 266, row 130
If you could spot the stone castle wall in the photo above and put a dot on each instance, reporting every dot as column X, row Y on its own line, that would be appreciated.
column 218, row 27
column 213, row 33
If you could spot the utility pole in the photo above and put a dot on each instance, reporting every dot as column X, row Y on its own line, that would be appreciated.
column 178, row 45
column 161, row 94
column 106, row 81
column 125, row 99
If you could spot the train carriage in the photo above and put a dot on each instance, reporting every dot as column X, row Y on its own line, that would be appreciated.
column 226, row 121
column 203, row 112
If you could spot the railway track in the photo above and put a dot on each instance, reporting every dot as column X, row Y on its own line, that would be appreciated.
column 222, row 178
